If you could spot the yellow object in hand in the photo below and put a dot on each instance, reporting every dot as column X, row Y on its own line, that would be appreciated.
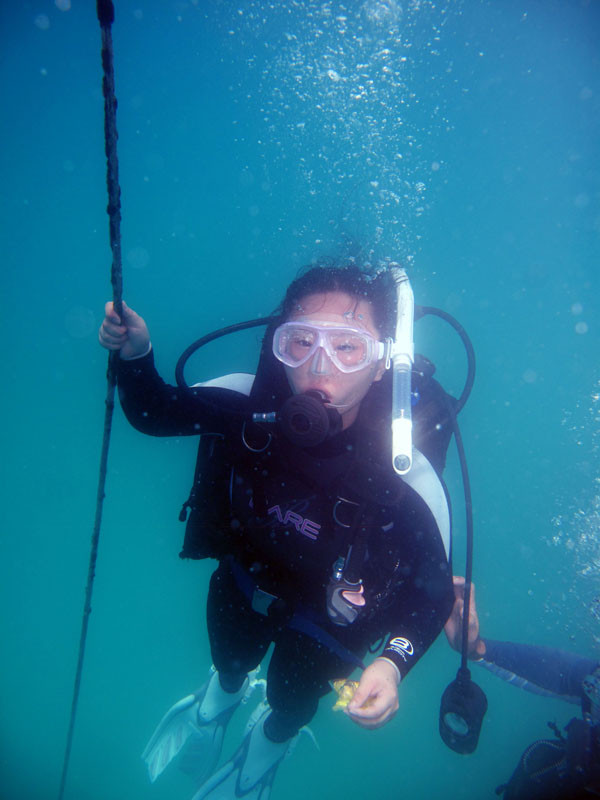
column 345, row 690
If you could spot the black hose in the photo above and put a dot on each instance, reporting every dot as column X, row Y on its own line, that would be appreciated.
column 437, row 312
column 469, row 543
column 453, row 410
column 189, row 351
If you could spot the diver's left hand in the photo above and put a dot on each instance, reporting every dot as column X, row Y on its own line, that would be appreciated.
column 376, row 700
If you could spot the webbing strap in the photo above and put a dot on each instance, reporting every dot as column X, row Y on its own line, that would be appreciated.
column 299, row 620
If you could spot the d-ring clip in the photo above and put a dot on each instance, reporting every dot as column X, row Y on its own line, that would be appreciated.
column 249, row 446
column 335, row 507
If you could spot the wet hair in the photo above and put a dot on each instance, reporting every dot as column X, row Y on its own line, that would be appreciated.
column 376, row 288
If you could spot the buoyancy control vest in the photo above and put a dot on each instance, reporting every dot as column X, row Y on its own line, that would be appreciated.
column 364, row 476
column 564, row 768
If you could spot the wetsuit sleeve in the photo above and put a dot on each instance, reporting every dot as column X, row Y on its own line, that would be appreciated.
column 542, row 670
column 424, row 602
column 156, row 408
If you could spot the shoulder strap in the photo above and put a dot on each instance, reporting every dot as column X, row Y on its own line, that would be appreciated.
column 424, row 480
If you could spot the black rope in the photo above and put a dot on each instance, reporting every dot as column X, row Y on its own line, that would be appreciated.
column 106, row 13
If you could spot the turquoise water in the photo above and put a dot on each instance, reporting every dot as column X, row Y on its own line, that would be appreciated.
column 459, row 138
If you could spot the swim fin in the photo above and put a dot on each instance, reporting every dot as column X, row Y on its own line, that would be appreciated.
column 197, row 722
column 251, row 771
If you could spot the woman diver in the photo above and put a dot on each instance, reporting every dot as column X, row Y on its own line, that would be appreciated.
column 323, row 549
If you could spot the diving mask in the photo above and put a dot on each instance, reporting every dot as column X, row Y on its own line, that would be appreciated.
column 350, row 349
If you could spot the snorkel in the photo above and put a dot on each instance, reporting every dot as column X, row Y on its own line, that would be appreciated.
column 402, row 358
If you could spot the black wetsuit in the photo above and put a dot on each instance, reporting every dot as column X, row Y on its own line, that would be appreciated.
column 282, row 540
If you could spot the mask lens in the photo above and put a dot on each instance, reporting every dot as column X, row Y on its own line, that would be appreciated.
column 299, row 344
column 348, row 349
column 294, row 344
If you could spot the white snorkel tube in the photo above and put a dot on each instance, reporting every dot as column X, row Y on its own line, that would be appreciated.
column 402, row 356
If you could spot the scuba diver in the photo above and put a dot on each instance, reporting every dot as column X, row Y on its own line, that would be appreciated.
column 328, row 547
column 563, row 768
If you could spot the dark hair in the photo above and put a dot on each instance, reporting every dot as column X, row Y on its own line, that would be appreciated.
column 377, row 288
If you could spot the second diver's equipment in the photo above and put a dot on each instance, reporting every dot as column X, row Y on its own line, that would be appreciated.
column 554, row 769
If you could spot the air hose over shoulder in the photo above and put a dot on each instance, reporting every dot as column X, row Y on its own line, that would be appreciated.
column 422, row 311
column 210, row 337
column 463, row 704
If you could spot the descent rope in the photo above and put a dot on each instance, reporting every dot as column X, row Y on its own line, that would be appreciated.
column 106, row 15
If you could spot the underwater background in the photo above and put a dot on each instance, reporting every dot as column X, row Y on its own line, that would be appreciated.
column 459, row 138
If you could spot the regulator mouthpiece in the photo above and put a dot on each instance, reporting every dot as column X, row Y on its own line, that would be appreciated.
column 306, row 421
column 462, row 710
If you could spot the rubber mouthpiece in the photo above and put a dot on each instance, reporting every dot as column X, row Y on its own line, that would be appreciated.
column 306, row 421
